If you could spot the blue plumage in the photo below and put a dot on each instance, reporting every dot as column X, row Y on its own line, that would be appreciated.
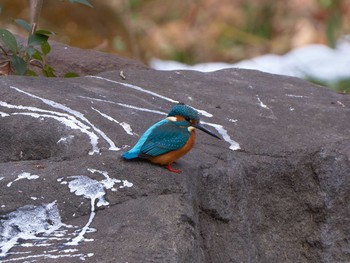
column 168, row 140
column 185, row 111
column 135, row 151
column 167, row 137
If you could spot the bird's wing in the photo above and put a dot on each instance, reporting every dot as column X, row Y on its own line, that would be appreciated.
column 164, row 138
column 135, row 151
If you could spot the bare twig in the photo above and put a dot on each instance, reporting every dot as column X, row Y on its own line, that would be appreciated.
column 35, row 10
column 3, row 50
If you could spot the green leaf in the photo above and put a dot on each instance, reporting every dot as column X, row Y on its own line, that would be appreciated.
column 48, row 71
column 31, row 73
column 84, row 2
column 37, row 55
column 37, row 39
column 31, row 51
column 9, row 40
column 71, row 75
column 19, row 65
column 44, row 32
column 46, row 48
column 24, row 24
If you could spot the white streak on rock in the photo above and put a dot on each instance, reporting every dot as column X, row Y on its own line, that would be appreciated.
column 65, row 139
column 69, row 123
column 261, row 103
column 72, row 112
column 203, row 112
column 124, row 125
column 233, row 145
column 126, row 183
column 136, row 88
column 340, row 103
column 141, row 109
column 27, row 223
column 4, row 114
column 95, row 191
column 295, row 96
column 90, row 189
column 48, row 256
column 34, row 109
column 125, row 105
column 23, row 176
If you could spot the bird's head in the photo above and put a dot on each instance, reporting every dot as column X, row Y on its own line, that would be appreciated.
column 188, row 116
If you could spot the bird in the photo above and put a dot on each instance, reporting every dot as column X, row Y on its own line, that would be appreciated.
column 169, row 139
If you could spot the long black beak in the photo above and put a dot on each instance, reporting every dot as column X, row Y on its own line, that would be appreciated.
column 198, row 126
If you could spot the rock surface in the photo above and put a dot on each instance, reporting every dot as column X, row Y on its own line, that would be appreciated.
column 67, row 195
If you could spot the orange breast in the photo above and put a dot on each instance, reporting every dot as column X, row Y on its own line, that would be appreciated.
column 172, row 156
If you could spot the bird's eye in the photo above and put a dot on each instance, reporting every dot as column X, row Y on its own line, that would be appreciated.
column 188, row 119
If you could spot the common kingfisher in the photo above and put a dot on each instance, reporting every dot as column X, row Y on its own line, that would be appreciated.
column 169, row 139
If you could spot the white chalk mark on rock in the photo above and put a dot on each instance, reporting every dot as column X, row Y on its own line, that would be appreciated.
column 295, row 96
column 28, row 223
column 67, row 122
column 124, row 125
column 233, row 145
column 43, row 223
column 65, row 139
column 125, row 105
column 261, row 103
column 340, row 103
column 202, row 112
column 4, row 114
column 126, row 183
column 233, row 120
column 23, row 176
column 49, row 256
column 95, row 191
column 72, row 112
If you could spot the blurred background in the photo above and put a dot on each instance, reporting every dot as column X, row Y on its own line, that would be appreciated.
column 189, row 31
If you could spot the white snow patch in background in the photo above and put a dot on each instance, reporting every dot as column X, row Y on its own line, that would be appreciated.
column 315, row 60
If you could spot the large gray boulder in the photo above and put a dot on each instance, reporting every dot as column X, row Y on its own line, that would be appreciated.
column 275, row 189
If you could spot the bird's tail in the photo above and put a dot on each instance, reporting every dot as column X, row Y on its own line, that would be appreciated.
column 130, row 155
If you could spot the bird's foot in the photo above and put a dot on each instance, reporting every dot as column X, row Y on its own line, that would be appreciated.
column 171, row 169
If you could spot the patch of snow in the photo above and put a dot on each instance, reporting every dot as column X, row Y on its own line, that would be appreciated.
column 315, row 60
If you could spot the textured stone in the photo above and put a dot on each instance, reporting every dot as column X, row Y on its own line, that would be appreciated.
column 282, row 197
